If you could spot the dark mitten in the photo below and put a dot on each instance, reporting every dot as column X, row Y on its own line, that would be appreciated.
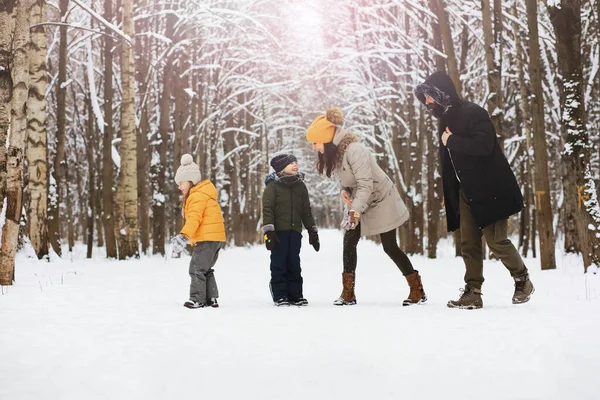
column 313, row 238
column 271, row 239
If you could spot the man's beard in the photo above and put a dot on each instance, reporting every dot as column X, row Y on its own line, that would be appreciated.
column 435, row 109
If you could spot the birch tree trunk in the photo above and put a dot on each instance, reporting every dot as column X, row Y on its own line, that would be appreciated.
column 542, row 184
column 127, row 191
column 36, row 133
column 581, row 199
column 6, row 9
column 18, row 135
column 107, row 162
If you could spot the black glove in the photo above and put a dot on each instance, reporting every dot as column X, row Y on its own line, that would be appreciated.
column 271, row 239
column 313, row 238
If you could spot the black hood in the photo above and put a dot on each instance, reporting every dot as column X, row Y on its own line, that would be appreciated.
column 440, row 87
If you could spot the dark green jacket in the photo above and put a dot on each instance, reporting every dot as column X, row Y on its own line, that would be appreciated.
column 286, row 206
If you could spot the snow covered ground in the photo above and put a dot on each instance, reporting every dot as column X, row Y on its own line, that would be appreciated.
column 97, row 329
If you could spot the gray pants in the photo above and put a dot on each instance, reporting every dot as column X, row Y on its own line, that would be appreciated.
column 204, row 285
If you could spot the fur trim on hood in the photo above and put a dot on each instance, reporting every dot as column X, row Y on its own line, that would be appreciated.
column 346, row 141
column 441, row 88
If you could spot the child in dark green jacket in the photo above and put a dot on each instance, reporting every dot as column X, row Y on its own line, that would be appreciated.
column 286, row 207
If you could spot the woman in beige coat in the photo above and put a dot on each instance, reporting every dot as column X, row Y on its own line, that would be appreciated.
column 375, row 206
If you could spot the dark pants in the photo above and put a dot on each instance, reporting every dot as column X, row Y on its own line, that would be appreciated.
column 204, row 286
column 496, row 236
column 390, row 246
column 286, row 274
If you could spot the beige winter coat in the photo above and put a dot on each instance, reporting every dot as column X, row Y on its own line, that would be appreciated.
column 373, row 193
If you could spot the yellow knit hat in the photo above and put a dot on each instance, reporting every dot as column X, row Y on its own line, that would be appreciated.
column 323, row 127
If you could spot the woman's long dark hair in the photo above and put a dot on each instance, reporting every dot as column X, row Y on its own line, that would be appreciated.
column 328, row 160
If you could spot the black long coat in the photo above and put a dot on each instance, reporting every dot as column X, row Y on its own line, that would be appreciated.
column 485, row 175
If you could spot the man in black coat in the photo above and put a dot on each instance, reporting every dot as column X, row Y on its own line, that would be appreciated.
column 480, row 189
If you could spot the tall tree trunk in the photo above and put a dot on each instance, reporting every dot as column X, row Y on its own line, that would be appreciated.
column 58, row 171
column 36, row 133
column 440, row 62
column 464, row 48
column 127, row 193
column 70, row 212
column 452, row 66
column 91, row 210
column 180, row 121
column 446, row 33
column 6, row 9
column 108, row 215
column 529, row 171
column 492, row 37
column 542, row 184
column 98, row 198
column 159, row 185
column 580, row 194
column 142, row 46
column 18, row 134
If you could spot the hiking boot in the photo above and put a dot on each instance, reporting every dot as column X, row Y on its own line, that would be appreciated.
column 347, row 298
column 301, row 302
column 417, row 294
column 212, row 302
column 282, row 302
column 193, row 304
column 523, row 289
column 470, row 299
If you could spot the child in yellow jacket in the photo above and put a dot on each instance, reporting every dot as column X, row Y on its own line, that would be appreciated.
column 204, row 229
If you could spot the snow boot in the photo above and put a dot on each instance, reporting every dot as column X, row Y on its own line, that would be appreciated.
column 282, row 302
column 523, row 290
column 212, row 302
column 301, row 302
column 470, row 299
column 417, row 294
column 193, row 304
column 347, row 298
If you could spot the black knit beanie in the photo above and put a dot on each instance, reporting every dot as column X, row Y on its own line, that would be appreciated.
column 280, row 161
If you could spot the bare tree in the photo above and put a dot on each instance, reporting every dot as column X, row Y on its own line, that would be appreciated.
column 542, row 184
column 6, row 9
column 57, row 184
column 18, row 135
column 107, row 162
column 581, row 203
column 127, row 201
column 36, row 128
column 492, row 35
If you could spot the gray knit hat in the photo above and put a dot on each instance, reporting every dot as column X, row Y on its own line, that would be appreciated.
column 188, row 170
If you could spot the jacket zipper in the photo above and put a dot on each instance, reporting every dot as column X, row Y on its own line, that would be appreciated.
column 292, row 199
column 453, row 166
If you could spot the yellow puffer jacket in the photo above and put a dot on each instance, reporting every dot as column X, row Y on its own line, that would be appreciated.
column 203, row 218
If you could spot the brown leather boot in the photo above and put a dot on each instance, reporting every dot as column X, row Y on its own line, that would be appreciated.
column 347, row 298
column 523, row 290
column 470, row 299
column 417, row 294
